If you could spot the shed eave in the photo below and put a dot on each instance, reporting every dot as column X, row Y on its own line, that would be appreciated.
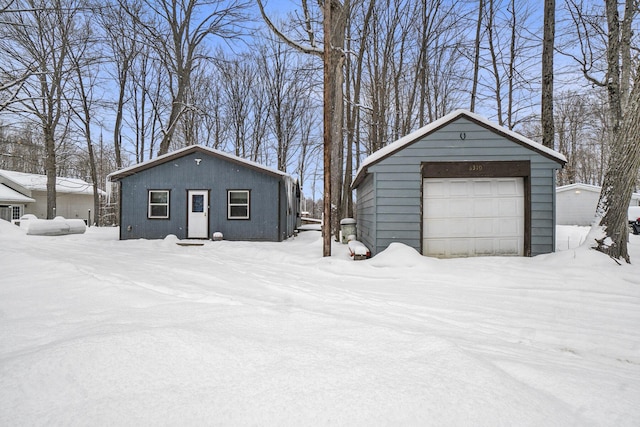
column 132, row 170
column 432, row 127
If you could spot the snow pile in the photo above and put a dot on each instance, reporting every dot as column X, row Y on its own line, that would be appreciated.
column 357, row 249
column 399, row 255
column 258, row 333
column 9, row 230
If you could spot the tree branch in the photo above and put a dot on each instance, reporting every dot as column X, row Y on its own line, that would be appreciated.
column 304, row 49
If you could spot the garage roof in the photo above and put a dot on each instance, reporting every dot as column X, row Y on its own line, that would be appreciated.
column 445, row 120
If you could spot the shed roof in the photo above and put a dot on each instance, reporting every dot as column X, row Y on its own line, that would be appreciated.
column 445, row 120
column 578, row 186
column 35, row 182
column 9, row 195
column 122, row 173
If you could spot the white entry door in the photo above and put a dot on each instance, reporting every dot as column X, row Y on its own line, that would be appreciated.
column 473, row 217
column 198, row 216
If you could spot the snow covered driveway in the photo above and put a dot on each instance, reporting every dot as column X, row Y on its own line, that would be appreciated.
column 96, row 331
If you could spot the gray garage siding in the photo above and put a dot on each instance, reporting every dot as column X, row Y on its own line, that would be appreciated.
column 366, row 212
column 398, row 182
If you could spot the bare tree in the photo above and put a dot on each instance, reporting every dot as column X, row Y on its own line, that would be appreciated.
column 334, row 21
column 620, row 179
column 38, row 37
column 84, row 58
column 507, row 70
column 182, row 26
column 147, row 96
column 287, row 89
column 354, row 77
column 13, row 75
column 437, row 70
column 20, row 149
column 574, row 127
column 385, row 49
column 309, row 146
column 121, row 31
column 476, row 56
column 238, row 76
column 624, row 162
column 547, row 73
column 605, row 59
column 214, row 130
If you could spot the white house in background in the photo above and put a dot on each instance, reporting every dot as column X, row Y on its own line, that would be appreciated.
column 26, row 193
column 576, row 203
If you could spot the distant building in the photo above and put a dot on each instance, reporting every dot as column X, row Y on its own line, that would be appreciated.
column 576, row 203
column 26, row 193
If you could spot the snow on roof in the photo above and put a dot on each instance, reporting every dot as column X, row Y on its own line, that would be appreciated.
column 35, row 182
column 114, row 176
column 8, row 195
column 578, row 186
column 412, row 137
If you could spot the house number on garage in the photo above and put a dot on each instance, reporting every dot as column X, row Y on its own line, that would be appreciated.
column 476, row 167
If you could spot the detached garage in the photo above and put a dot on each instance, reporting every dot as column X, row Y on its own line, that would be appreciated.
column 460, row 186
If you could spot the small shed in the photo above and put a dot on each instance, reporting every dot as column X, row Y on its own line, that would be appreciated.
column 26, row 193
column 460, row 186
column 577, row 203
column 196, row 191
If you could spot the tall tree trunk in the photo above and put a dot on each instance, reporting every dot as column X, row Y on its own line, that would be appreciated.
column 117, row 128
column 338, row 27
column 624, row 160
column 620, row 179
column 494, row 61
column 50, row 166
column 476, row 58
column 626, row 33
column 177, row 109
column 548, row 130
column 327, row 129
column 511, row 66
column 334, row 25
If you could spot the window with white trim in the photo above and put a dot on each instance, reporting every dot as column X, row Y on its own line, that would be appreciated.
column 238, row 204
column 158, row 204
column 15, row 212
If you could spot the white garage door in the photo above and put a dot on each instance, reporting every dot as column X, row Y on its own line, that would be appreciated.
column 473, row 217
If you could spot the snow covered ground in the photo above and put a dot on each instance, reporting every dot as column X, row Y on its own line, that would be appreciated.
column 96, row 331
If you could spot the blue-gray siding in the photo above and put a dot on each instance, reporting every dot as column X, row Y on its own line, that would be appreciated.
column 270, row 215
column 389, row 198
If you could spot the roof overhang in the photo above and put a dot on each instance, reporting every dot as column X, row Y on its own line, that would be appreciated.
column 413, row 137
column 132, row 170
column 579, row 187
column 9, row 195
